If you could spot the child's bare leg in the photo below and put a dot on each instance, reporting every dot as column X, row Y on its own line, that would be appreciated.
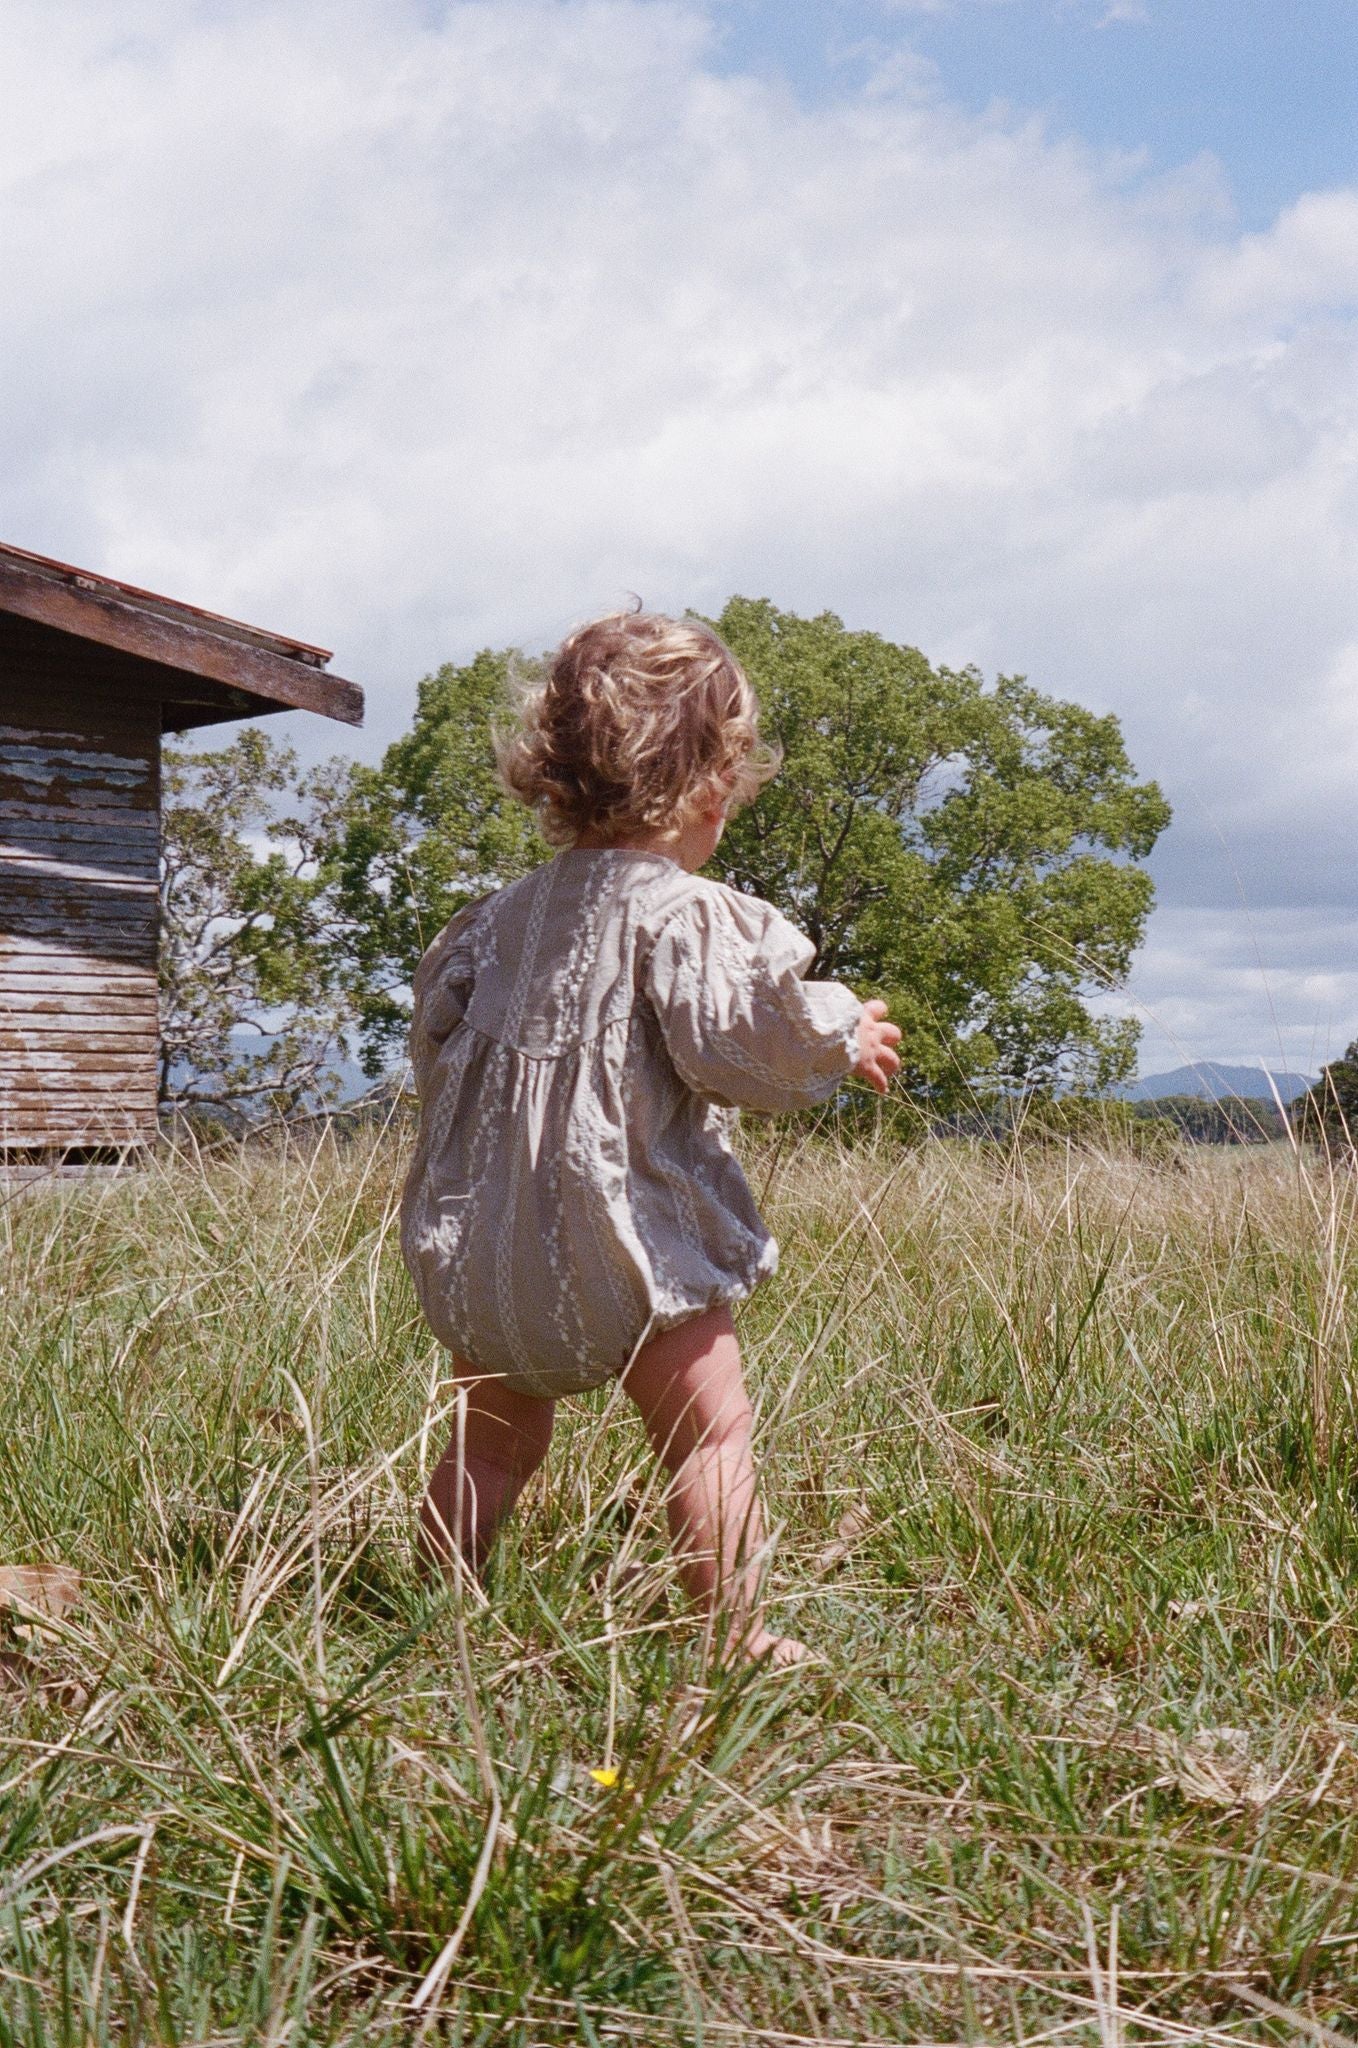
column 688, row 1385
column 504, row 1441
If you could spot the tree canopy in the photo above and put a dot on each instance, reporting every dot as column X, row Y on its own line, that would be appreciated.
column 968, row 851
column 1327, row 1113
column 258, row 977
column 424, row 833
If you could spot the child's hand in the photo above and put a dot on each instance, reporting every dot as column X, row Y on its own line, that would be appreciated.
column 877, row 1058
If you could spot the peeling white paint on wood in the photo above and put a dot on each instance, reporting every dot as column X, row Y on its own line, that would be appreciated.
column 79, row 854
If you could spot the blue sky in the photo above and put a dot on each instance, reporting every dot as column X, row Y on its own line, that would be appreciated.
column 1024, row 331
column 1269, row 87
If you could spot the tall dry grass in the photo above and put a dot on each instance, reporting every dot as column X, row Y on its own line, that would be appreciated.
column 1061, row 1453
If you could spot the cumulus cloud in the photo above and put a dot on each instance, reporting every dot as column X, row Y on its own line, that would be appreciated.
column 413, row 327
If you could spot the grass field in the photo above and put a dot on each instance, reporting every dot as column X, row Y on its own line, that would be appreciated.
column 1062, row 1454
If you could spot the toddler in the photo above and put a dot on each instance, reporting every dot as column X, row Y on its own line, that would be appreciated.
column 582, row 1042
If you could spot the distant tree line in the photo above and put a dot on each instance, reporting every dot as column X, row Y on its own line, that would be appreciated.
column 1229, row 1120
column 1328, row 1112
column 971, row 851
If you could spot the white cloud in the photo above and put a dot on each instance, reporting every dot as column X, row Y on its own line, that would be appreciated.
column 1279, row 986
column 410, row 328
column 1125, row 14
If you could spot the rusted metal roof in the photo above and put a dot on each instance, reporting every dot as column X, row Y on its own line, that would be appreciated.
column 215, row 667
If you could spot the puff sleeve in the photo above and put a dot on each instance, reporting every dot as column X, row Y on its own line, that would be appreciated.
column 442, row 989
column 742, row 1027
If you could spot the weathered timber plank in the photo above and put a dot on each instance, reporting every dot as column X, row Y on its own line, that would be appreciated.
column 75, row 1114
column 35, row 824
column 82, row 1027
column 56, row 897
column 117, row 1038
column 61, row 952
column 136, row 866
column 41, row 1008
column 77, row 1006
column 140, row 1131
column 79, row 1070
column 128, row 1063
column 128, row 1091
column 78, row 994
column 25, row 866
column 48, row 967
column 134, row 984
column 24, row 962
column 127, row 1108
column 87, row 816
column 84, row 917
column 55, row 911
column 139, row 991
column 120, row 959
column 123, row 942
column 64, row 910
column 15, row 1168
column 123, row 1106
column 79, row 1036
column 121, row 950
column 83, row 799
column 53, row 726
column 72, row 1126
column 64, row 1128
column 90, row 1102
column 74, row 1063
column 43, row 882
column 52, row 879
column 101, row 1090
column 78, row 1032
column 43, row 826
column 59, row 775
column 132, row 1096
column 175, row 643
column 96, row 1038
column 41, row 876
column 81, row 728
column 168, row 607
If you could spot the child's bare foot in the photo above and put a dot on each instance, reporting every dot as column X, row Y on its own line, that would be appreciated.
column 780, row 1653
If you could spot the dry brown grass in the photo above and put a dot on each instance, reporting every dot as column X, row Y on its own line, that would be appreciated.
column 1062, row 1453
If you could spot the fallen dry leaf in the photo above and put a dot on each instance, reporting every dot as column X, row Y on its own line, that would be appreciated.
column 19, row 1673
column 16, row 1672
column 1215, row 1769
column 281, row 1420
column 39, row 1592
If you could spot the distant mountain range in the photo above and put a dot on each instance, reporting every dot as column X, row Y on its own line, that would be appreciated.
column 1209, row 1082
column 1205, row 1080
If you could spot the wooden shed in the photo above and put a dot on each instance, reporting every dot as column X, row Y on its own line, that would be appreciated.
column 92, row 672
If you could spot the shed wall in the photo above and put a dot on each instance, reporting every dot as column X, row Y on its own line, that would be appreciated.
column 79, row 852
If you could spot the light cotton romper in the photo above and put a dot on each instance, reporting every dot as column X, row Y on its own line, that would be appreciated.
column 581, row 1043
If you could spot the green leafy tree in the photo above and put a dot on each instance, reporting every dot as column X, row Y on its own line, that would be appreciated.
column 1229, row 1120
column 1327, row 1114
column 968, row 852
column 258, row 981
column 425, row 832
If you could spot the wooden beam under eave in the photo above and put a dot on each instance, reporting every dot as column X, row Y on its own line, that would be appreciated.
column 262, row 680
column 185, row 710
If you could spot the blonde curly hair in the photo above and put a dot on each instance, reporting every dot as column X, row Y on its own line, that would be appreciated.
column 636, row 724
